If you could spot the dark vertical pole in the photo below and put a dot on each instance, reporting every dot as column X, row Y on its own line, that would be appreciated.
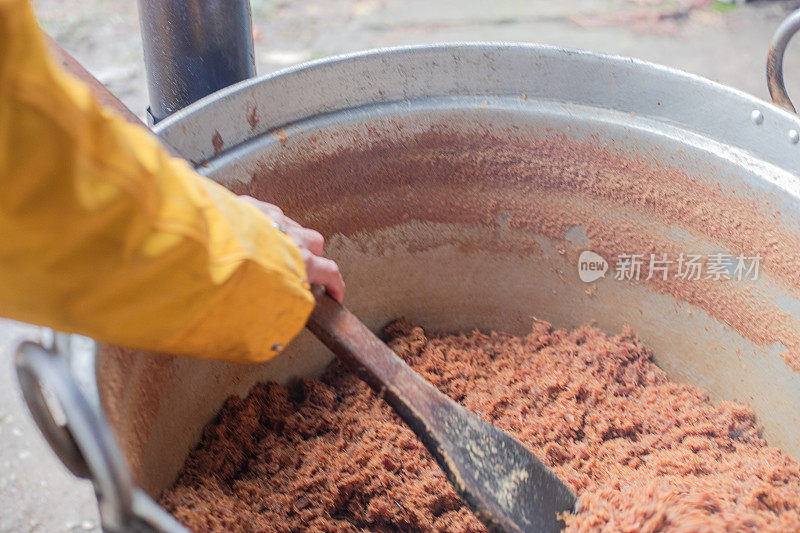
column 193, row 48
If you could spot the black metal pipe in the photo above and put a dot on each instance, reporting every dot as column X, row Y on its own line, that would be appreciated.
column 193, row 48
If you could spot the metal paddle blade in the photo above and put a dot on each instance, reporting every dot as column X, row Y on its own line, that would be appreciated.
column 501, row 480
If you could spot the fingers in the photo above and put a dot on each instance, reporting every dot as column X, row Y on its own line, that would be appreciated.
column 272, row 211
column 303, row 237
column 314, row 240
column 306, row 238
column 323, row 271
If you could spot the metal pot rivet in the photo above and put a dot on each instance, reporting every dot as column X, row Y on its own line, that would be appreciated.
column 794, row 136
column 757, row 117
column 276, row 347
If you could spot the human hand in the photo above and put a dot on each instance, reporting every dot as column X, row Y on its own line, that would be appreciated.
column 320, row 270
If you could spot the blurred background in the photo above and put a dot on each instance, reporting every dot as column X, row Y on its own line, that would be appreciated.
column 723, row 41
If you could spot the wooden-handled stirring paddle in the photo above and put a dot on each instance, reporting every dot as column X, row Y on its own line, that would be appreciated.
column 500, row 479
column 506, row 486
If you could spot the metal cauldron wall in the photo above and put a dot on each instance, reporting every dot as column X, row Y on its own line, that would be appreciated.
column 457, row 185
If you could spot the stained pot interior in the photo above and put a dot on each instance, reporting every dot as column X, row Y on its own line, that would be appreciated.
column 472, row 216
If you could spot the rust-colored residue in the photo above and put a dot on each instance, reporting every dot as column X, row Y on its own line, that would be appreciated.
column 217, row 142
column 643, row 453
column 132, row 418
column 280, row 134
column 252, row 116
column 546, row 183
column 541, row 182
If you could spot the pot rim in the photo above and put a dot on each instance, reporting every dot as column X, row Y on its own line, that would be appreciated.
column 533, row 71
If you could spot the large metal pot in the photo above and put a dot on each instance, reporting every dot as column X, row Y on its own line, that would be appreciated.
column 457, row 185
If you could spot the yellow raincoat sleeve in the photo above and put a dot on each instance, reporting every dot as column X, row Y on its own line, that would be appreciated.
column 103, row 233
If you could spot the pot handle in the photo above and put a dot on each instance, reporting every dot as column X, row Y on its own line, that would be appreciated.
column 84, row 442
column 784, row 33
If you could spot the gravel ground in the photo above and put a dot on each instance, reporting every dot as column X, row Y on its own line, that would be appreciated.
column 724, row 42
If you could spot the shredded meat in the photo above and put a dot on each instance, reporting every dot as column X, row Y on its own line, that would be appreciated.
column 644, row 453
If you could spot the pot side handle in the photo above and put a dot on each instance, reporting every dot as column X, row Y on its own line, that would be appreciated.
column 784, row 33
column 83, row 440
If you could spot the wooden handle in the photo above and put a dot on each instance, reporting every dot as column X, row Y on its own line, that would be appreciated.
column 499, row 478
column 100, row 91
column 347, row 337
